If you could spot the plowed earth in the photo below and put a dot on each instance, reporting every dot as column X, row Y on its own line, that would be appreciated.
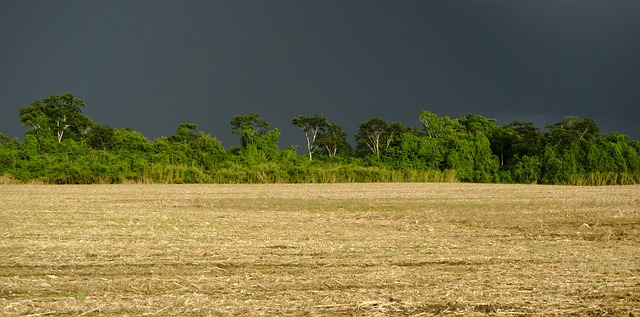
column 319, row 250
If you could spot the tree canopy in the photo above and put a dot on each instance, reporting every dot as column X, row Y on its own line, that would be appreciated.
column 250, row 121
column 63, row 145
column 57, row 115
column 311, row 127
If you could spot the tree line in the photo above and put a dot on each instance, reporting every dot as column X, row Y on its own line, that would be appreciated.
column 63, row 146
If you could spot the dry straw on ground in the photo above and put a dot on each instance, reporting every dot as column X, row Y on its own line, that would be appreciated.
column 319, row 250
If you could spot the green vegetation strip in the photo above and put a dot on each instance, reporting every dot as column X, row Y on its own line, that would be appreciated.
column 63, row 146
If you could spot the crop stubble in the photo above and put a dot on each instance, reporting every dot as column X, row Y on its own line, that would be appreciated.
column 319, row 250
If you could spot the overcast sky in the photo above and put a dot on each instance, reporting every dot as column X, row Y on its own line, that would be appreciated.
column 151, row 65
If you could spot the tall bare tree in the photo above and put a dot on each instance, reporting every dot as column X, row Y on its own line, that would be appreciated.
column 311, row 127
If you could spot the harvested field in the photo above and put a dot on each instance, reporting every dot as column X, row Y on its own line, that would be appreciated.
column 319, row 250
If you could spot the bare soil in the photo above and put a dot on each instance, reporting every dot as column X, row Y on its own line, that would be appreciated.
column 319, row 250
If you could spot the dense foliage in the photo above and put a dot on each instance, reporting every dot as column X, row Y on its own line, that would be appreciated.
column 63, row 146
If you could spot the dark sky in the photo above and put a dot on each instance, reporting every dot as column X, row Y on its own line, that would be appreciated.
column 153, row 64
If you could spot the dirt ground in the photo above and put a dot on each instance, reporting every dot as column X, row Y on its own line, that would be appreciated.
column 319, row 250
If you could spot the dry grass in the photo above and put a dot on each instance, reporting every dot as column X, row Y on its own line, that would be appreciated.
column 319, row 250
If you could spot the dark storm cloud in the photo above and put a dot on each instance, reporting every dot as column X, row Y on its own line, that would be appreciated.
column 151, row 65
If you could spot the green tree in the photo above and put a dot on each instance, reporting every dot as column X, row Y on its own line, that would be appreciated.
column 514, row 141
column 559, row 166
column 439, row 127
column 473, row 159
column 485, row 162
column 630, row 151
column 185, row 133
column 167, row 153
column 394, row 130
column 259, row 148
column 334, row 140
column 571, row 129
column 251, row 121
column 4, row 140
column 415, row 151
column 311, row 127
column 267, row 144
column 552, row 169
column 8, row 153
column 58, row 116
column 130, row 141
column 250, row 127
column 7, row 142
column 377, row 135
column 526, row 138
column 461, row 159
column 527, row 169
column 258, row 143
column 206, row 150
column 133, row 151
column 475, row 124
column 190, row 146
column 370, row 135
column 101, row 137
column 602, row 156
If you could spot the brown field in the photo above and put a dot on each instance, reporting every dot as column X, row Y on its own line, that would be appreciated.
column 319, row 250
